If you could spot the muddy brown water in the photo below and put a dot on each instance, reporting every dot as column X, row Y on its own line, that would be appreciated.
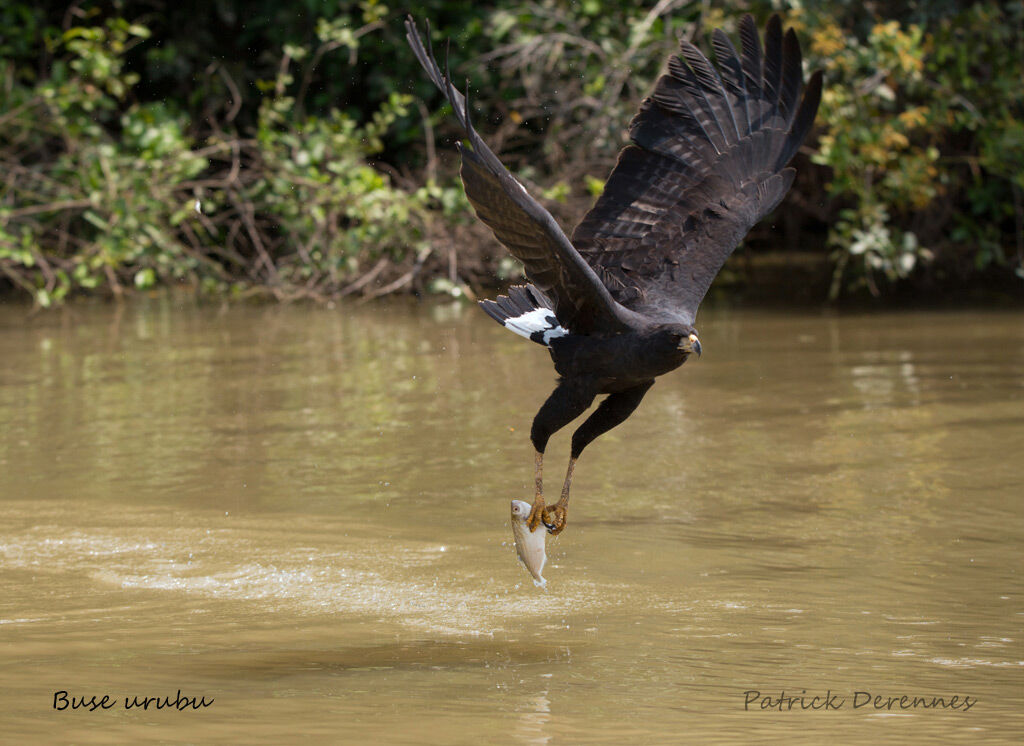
column 301, row 514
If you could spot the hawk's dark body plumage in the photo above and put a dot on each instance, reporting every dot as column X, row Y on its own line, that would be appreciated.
column 615, row 304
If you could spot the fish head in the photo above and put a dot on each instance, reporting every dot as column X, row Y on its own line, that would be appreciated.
column 520, row 510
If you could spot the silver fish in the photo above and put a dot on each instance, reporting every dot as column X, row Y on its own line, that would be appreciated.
column 529, row 544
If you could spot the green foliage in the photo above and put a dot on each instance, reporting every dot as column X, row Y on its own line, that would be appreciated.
column 298, row 131
column 575, row 71
column 81, row 207
column 922, row 131
column 116, row 194
column 868, row 143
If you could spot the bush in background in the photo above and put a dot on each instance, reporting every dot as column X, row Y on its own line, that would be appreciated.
column 923, row 132
column 102, row 191
column 247, row 148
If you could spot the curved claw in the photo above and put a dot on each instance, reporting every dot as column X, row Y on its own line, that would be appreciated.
column 554, row 519
column 534, row 520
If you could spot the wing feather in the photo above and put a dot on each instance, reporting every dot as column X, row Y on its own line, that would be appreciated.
column 750, row 43
column 772, row 63
column 802, row 120
column 792, row 76
column 716, row 99
column 733, row 78
column 680, row 92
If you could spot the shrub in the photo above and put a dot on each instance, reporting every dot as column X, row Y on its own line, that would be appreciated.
column 101, row 192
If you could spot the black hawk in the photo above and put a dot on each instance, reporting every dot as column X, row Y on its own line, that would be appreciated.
column 615, row 303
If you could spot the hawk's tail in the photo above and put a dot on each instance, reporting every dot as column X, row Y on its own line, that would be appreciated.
column 527, row 312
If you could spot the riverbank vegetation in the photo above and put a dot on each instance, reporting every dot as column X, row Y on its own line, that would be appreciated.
column 296, row 150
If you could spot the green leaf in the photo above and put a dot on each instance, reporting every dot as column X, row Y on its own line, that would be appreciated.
column 145, row 278
column 96, row 220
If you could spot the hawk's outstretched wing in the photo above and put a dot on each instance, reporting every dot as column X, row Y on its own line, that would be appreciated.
column 708, row 161
column 581, row 301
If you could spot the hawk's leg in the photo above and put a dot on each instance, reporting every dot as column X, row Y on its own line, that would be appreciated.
column 612, row 411
column 538, row 495
column 567, row 402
